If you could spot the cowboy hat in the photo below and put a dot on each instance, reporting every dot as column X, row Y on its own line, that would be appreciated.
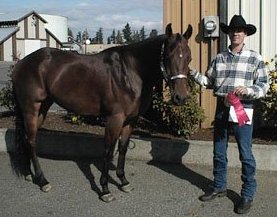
column 237, row 22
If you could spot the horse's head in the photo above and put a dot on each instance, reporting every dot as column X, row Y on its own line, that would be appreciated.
column 175, row 59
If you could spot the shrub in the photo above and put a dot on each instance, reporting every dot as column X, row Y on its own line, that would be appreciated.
column 268, row 105
column 179, row 120
column 6, row 94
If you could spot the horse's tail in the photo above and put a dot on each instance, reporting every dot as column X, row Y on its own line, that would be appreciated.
column 20, row 154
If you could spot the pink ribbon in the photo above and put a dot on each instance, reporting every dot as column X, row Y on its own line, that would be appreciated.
column 240, row 112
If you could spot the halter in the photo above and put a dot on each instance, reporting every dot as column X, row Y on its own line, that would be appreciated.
column 163, row 70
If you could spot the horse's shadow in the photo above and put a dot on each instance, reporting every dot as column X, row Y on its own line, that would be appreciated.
column 181, row 171
column 84, row 164
column 160, row 150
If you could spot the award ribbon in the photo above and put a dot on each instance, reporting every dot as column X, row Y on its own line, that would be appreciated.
column 240, row 112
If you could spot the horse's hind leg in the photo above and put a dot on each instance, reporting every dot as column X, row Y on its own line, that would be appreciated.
column 113, row 127
column 31, row 126
column 122, row 147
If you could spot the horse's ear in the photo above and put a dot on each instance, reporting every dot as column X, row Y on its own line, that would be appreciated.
column 168, row 30
column 188, row 32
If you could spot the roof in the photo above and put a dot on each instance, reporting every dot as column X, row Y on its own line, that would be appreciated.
column 5, row 33
column 18, row 16
column 50, row 33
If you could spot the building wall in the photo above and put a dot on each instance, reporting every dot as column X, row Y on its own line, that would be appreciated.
column 20, row 48
column 8, row 54
column 20, row 33
column 262, row 14
column 42, row 32
column 58, row 25
column 52, row 42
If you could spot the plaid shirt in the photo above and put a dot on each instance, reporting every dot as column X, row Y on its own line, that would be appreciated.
column 229, row 70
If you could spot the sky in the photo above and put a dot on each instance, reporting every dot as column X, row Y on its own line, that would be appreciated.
column 93, row 14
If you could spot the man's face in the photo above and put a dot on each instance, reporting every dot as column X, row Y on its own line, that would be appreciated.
column 237, row 36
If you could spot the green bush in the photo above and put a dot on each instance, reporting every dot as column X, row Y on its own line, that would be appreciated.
column 6, row 94
column 179, row 120
column 267, row 107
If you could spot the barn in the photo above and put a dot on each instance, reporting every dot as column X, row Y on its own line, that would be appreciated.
column 23, row 33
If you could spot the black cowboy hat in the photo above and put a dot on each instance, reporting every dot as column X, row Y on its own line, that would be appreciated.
column 237, row 22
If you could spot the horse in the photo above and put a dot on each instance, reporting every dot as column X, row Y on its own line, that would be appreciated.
column 116, row 83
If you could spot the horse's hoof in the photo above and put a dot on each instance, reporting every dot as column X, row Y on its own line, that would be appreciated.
column 46, row 188
column 29, row 178
column 107, row 197
column 127, row 188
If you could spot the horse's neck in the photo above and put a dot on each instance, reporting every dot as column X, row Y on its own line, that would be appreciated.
column 149, row 54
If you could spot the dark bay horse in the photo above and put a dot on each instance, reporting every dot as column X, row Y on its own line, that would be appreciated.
column 116, row 83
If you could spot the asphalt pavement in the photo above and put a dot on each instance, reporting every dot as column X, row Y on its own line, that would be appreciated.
column 160, row 189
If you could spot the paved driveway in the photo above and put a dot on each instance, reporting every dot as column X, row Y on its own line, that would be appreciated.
column 169, row 190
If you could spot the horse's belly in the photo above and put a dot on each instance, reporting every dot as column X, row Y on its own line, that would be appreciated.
column 80, row 106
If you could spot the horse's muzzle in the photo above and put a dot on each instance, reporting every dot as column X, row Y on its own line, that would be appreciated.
column 178, row 99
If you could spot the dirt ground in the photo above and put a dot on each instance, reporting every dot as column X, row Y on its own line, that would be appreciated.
column 60, row 122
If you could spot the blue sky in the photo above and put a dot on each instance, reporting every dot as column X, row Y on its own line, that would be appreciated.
column 93, row 14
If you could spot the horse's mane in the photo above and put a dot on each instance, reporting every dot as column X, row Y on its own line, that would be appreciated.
column 119, row 60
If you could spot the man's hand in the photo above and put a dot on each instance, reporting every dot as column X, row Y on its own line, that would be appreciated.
column 192, row 72
column 240, row 91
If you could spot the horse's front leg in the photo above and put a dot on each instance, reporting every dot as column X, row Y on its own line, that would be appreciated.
column 122, row 148
column 113, row 127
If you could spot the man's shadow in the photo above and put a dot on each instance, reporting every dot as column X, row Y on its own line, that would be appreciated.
column 181, row 171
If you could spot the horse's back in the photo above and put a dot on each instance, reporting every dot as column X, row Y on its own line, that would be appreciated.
column 80, row 83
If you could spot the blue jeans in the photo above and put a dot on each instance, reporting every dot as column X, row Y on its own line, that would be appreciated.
column 243, row 135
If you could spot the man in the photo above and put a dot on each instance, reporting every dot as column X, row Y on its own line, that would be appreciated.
column 239, row 72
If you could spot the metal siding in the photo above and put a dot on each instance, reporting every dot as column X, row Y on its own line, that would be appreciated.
column 250, row 10
column 262, row 14
column 268, row 29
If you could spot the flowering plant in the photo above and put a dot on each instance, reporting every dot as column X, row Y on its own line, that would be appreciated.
column 269, row 103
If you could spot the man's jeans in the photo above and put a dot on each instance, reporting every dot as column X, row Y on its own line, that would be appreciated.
column 243, row 137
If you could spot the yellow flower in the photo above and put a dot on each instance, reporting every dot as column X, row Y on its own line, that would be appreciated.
column 274, row 87
column 274, row 74
column 74, row 119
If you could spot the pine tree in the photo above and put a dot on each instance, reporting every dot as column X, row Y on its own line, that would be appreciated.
column 142, row 33
column 153, row 33
column 118, row 38
column 127, row 34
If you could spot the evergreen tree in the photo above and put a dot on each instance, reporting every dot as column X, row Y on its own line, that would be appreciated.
column 78, row 37
column 109, row 41
column 153, row 33
column 118, row 38
column 136, row 37
column 85, row 36
column 99, row 36
column 127, row 34
column 112, row 38
column 70, row 34
column 142, row 33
